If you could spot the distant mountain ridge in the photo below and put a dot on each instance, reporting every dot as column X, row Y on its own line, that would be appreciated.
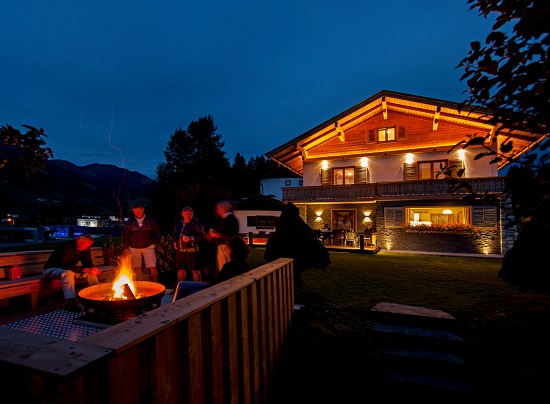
column 94, row 189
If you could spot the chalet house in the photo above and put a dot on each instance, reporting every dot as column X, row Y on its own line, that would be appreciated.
column 378, row 162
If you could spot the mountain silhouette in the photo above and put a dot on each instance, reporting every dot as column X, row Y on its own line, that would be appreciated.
column 65, row 189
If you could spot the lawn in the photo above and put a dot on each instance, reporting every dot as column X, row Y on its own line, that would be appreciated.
column 506, row 328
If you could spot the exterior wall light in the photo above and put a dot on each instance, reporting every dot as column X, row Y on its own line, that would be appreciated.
column 324, row 165
column 364, row 162
column 409, row 158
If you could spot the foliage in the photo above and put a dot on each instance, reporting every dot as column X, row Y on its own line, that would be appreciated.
column 293, row 238
column 444, row 228
column 195, row 173
column 508, row 78
column 23, row 150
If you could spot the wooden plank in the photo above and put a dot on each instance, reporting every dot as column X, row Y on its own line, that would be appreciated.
column 52, row 355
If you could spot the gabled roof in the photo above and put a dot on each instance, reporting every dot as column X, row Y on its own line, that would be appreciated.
column 281, row 172
column 312, row 145
column 260, row 202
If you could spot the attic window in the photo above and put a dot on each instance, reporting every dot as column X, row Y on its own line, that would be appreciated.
column 386, row 134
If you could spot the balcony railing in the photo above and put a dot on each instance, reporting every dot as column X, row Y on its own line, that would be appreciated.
column 365, row 192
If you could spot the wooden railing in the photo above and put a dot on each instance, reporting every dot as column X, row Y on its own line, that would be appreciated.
column 363, row 192
column 220, row 345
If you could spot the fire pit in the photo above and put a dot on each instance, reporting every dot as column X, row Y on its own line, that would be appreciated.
column 98, row 299
column 122, row 299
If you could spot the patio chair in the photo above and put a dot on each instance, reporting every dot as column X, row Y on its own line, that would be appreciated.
column 338, row 237
column 351, row 237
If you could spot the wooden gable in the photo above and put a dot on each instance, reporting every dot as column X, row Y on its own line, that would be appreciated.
column 420, row 124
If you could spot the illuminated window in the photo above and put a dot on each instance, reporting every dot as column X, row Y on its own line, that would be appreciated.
column 343, row 176
column 386, row 134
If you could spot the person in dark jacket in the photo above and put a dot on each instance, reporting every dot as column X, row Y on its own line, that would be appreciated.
column 187, row 234
column 63, row 264
column 223, row 234
column 142, row 234
column 238, row 265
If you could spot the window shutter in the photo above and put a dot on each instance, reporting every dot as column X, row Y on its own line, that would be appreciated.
column 410, row 172
column 372, row 137
column 325, row 177
column 484, row 216
column 401, row 134
column 393, row 217
column 361, row 175
column 456, row 165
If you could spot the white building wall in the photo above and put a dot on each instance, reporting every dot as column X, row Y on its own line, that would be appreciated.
column 242, row 215
column 387, row 169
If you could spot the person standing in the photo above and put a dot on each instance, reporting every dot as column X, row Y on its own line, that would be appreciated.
column 238, row 265
column 142, row 233
column 63, row 264
column 222, row 236
column 187, row 234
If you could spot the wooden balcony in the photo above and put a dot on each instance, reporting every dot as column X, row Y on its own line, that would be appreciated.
column 382, row 190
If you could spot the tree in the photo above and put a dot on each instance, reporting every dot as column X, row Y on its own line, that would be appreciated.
column 509, row 78
column 25, row 151
column 195, row 173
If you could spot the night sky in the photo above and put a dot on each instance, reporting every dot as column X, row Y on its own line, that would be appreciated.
column 110, row 81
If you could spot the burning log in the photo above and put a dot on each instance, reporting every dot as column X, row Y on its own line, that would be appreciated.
column 128, row 292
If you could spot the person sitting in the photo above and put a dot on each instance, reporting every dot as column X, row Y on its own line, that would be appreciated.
column 63, row 264
column 325, row 233
column 368, row 234
column 238, row 265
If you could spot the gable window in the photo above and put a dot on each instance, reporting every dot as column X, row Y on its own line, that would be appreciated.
column 386, row 134
column 287, row 183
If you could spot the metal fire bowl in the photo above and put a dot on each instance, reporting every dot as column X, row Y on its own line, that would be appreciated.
column 151, row 295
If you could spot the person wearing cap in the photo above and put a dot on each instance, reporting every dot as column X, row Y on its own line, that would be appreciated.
column 187, row 234
column 142, row 234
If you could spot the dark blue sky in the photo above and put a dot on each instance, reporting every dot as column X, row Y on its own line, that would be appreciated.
column 110, row 81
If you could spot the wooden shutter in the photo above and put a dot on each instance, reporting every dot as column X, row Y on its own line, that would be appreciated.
column 401, row 133
column 484, row 216
column 410, row 172
column 372, row 136
column 361, row 175
column 456, row 166
column 325, row 177
column 393, row 217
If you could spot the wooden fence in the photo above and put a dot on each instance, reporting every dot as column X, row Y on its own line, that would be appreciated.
column 220, row 345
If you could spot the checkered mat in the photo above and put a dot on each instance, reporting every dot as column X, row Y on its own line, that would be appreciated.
column 60, row 324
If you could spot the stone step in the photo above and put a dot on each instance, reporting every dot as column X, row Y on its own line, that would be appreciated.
column 412, row 315
column 383, row 335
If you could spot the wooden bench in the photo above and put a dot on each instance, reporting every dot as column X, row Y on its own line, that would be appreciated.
column 32, row 282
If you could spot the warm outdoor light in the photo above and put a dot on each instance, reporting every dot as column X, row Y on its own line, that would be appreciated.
column 461, row 153
column 324, row 165
column 364, row 162
column 447, row 212
column 367, row 218
column 318, row 213
column 409, row 158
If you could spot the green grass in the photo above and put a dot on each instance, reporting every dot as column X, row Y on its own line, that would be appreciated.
column 468, row 288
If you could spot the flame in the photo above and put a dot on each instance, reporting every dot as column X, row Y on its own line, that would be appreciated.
column 125, row 275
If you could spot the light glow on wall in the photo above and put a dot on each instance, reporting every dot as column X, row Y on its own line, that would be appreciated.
column 409, row 158
column 364, row 162
column 324, row 165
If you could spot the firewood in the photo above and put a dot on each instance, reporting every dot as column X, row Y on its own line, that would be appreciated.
column 128, row 292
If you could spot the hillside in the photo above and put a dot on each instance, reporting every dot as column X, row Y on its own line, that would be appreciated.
column 65, row 190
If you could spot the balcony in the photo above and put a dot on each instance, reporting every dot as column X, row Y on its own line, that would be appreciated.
column 388, row 190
